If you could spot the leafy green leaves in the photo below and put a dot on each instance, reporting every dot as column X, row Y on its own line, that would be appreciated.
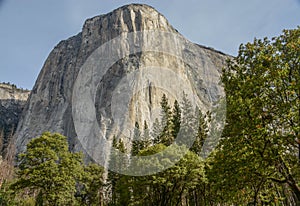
column 259, row 145
column 50, row 173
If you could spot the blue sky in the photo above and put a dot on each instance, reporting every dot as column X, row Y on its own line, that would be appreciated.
column 29, row 29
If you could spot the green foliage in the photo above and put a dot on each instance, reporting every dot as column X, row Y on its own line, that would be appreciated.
column 156, row 131
column 189, row 121
column 202, row 132
column 141, row 140
column 167, row 129
column 146, row 136
column 176, row 119
column 117, row 186
column 48, row 171
column 171, row 186
column 91, row 186
column 136, row 142
column 166, row 136
column 258, row 158
column 6, row 195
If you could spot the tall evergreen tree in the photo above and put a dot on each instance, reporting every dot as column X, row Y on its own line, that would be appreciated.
column 176, row 119
column 146, row 136
column 189, row 122
column 113, row 177
column 156, row 131
column 202, row 132
column 137, row 140
column 166, row 122
column 119, row 191
column 48, row 169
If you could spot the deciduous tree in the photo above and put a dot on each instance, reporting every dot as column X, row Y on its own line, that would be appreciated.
column 258, row 158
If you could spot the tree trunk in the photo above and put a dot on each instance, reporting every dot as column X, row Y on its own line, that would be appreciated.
column 290, row 180
column 295, row 188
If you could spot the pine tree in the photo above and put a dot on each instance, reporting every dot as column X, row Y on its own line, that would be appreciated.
column 137, row 140
column 121, row 146
column 202, row 132
column 49, row 169
column 166, row 121
column 189, row 123
column 146, row 136
column 156, row 132
column 165, row 111
column 119, row 190
column 176, row 119
column 112, row 176
column 140, row 141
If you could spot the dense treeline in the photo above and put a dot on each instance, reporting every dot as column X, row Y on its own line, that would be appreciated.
column 255, row 163
column 180, row 184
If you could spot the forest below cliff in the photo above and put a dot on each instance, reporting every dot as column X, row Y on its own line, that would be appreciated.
column 257, row 161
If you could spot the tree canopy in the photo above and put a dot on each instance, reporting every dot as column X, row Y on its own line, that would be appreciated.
column 258, row 157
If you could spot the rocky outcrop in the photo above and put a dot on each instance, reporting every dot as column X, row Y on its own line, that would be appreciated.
column 114, row 73
column 12, row 102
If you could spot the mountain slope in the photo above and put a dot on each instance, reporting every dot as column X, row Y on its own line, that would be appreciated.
column 12, row 102
column 113, row 74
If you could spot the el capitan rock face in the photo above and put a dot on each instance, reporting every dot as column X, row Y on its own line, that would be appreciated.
column 59, row 90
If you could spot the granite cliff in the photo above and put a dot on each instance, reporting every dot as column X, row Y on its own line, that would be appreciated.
column 131, row 54
column 12, row 102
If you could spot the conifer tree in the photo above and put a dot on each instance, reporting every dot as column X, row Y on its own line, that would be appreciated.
column 166, row 121
column 137, row 140
column 119, row 190
column 112, row 176
column 176, row 119
column 189, row 123
column 202, row 132
column 146, row 136
column 48, row 169
column 156, row 131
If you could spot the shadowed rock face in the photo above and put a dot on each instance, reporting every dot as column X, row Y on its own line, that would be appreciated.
column 51, row 103
column 12, row 102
